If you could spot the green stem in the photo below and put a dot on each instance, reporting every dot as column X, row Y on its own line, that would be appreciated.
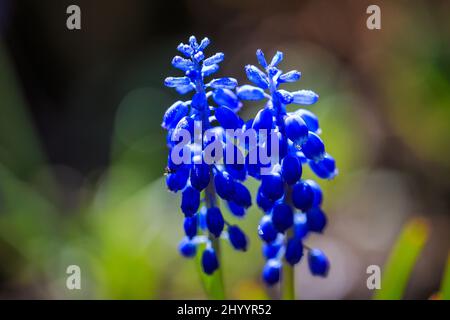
column 288, row 276
column 288, row 289
column 213, row 284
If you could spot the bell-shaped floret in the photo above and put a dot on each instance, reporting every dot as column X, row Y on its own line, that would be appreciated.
column 237, row 238
column 282, row 216
column 302, row 196
column 296, row 129
column 210, row 263
column 294, row 251
column 190, row 201
column 272, row 272
column 214, row 221
column 267, row 230
column 318, row 263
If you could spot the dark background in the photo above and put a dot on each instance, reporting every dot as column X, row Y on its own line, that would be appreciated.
column 90, row 101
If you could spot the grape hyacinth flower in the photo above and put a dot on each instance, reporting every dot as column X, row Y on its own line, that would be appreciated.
column 200, row 181
column 291, row 205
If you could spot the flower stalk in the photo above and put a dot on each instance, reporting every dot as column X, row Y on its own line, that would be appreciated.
column 288, row 288
column 192, row 172
column 291, row 204
column 288, row 276
column 214, row 286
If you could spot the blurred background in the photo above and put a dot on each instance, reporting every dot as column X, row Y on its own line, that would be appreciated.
column 82, row 152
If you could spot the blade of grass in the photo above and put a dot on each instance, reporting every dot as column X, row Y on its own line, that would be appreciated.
column 288, row 275
column 288, row 289
column 212, row 284
column 445, row 285
column 402, row 259
column 21, row 152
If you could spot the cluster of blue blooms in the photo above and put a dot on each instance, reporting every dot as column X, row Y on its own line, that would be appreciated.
column 203, row 218
column 290, row 203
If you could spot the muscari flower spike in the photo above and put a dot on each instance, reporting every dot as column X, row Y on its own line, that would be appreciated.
column 291, row 204
column 198, row 181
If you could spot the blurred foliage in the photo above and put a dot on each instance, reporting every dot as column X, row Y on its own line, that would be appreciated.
column 19, row 146
column 418, row 87
column 124, row 229
column 402, row 259
column 445, row 286
column 123, row 236
column 212, row 284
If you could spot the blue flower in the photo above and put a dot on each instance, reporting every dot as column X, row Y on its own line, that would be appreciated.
column 282, row 216
column 291, row 169
column 316, row 219
column 301, row 227
column 209, row 261
column 325, row 168
column 272, row 271
column 296, row 129
column 272, row 186
column 190, row 201
column 241, row 196
column 199, row 181
column 318, row 263
column 263, row 120
column 224, row 185
column 214, row 221
column 294, row 251
column 187, row 248
column 291, row 205
column 237, row 238
column 267, row 230
column 263, row 202
column 236, row 209
column 302, row 196
column 227, row 118
column 190, row 226
column 271, row 250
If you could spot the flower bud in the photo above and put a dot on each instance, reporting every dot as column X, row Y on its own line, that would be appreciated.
column 296, row 129
column 271, row 272
column 294, row 251
column 214, row 221
column 237, row 238
column 267, row 230
column 282, row 217
column 302, row 196
column 318, row 263
column 209, row 261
